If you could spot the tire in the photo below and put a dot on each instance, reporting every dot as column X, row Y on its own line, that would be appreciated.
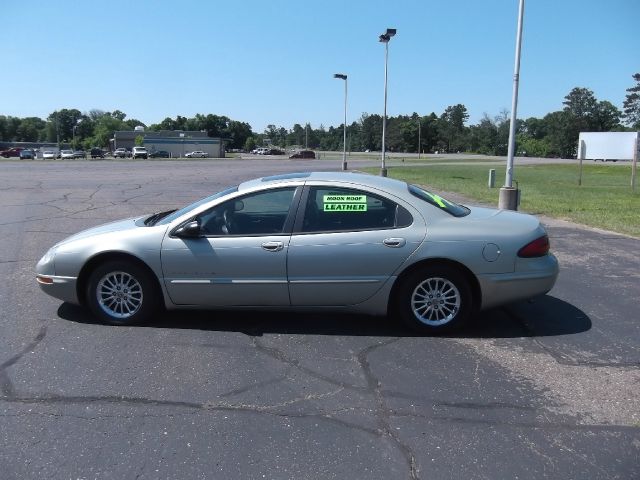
column 434, row 299
column 122, row 293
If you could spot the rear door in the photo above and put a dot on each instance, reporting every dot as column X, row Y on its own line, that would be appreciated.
column 347, row 245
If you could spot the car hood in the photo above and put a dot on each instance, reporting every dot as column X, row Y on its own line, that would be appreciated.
column 117, row 226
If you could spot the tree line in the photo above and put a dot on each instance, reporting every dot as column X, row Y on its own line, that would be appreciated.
column 556, row 134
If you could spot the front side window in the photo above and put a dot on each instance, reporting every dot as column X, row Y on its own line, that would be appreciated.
column 343, row 209
column 262, row 213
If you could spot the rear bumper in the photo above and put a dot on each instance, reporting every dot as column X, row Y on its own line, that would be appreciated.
column 533, row 277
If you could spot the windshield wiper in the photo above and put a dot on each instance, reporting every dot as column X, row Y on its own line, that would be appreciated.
column 153, row 219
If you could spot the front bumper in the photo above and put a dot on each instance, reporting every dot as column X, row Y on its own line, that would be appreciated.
column 63, row 288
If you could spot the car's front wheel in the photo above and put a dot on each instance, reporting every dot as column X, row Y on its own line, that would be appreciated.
column 434, row 299
column 121, row 293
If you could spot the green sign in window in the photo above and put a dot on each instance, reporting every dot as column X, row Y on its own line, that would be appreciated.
column 344, row 203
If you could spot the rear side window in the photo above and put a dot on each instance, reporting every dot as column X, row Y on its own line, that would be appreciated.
column 342, row 209
column 437, row 201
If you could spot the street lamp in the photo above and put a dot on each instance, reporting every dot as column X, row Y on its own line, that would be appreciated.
column 508, row 198
column 344, row 149
column 74, row 132
column 419, row 132
column 384, row 38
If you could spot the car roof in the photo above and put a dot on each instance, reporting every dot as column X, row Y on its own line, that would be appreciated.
column 390, row 185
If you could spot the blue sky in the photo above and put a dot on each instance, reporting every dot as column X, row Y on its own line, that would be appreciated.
column 273, row 61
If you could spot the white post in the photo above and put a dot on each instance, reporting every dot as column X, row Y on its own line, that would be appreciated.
column 509, row 195
column 634, row 165
column 383, row 167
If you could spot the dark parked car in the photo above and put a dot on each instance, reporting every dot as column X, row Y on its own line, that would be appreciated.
column 11, row 152
column 274, row 151
column 303, row 154
column 160, row 154
column 79, row 154
column 27, row 154
column 97, row 153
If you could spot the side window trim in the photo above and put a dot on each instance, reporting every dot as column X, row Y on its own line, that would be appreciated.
column 288, row 224
column 302, row 205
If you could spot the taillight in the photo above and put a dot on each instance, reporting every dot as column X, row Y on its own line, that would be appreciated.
column 538, row 248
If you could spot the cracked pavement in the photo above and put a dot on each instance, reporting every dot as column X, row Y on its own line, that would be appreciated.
column 542, row 389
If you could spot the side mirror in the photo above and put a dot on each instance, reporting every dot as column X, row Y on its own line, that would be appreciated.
column 189, row 230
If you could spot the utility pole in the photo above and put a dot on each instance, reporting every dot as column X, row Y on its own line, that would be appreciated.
column 508, row 199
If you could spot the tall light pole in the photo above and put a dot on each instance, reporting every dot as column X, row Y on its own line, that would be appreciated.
column 384, row 38
column 344, row 148
column 419, row 142
column 75, row 127
column 508, row 198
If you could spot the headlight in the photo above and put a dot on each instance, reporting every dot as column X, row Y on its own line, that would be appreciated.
column 49, row 256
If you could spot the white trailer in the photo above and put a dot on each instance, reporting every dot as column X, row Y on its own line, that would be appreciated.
column 607, row 146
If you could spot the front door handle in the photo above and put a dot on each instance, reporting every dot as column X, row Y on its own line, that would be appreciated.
column 394, row 242
column 272, row 246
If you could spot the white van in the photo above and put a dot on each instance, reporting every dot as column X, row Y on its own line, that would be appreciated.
column 140, row 152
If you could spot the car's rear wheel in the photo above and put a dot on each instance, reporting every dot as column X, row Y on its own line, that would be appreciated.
column 121, row 293
column 434, row 299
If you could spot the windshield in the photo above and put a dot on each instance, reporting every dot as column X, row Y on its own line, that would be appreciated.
column 437, row 201
column 178, row 213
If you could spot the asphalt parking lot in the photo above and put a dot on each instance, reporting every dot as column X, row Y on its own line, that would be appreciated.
column 542, row 389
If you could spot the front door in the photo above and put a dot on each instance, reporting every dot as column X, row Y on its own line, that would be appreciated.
column 241, row 259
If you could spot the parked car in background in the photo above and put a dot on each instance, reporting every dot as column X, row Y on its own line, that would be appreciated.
column 66, row 154
column 79, row 154
column 97, row 153
column 49, row 155
column 11, row 152
column 303, row 154
column 140, row 152
column 274, row 151
column 120, row 153
column 394, row 248
column 27, row 154
column 197, row 154
column 160, row 154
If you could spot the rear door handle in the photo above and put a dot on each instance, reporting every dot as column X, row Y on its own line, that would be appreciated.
column 394, row 242
column 272, row 246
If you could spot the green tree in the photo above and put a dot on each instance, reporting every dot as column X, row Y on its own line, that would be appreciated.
column 30, row 129
column 271, row 133
column 562, row 136
column 117, row 114
column 61, row 123
column 631, row 105
column 451, row 127
column 238, row 133
column 606, row 117
column 132, row 123
column 580, row 102
column 104, row 128
column 371, row 131
column 9, row 128
column 249, row 144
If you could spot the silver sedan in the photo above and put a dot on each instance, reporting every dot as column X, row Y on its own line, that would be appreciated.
column 308, row 241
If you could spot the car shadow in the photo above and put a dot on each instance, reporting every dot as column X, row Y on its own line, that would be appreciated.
column 542, row 317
